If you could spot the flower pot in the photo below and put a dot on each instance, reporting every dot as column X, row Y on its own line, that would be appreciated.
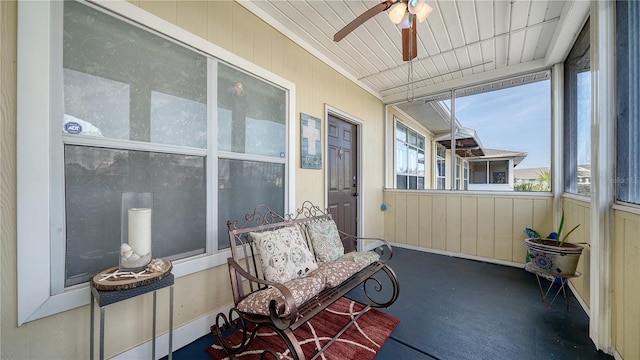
column 548, row 257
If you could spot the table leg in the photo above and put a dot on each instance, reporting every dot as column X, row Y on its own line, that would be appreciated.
column 102, row 333
column 169, row 357
column 153, row 343
column 91, row 304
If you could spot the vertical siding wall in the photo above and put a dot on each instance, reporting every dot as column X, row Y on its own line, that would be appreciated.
column 578, row 212
column 482, row 225
column 625, row 284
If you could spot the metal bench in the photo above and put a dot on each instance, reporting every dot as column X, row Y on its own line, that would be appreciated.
column 284, row 312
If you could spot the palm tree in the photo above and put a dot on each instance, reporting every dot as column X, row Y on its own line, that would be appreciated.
column 544, row 180
column 542, row 183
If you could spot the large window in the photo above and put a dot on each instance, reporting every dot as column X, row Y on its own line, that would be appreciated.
column 128, row 94
column 490, row 136
column 410, row 158
column 628, row 119
column 505, row 131
column 127, row 109
column 577, row 117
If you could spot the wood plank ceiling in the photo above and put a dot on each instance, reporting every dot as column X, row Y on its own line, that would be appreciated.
column 461, row 43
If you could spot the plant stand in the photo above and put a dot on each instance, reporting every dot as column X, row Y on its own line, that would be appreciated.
column 552, row 278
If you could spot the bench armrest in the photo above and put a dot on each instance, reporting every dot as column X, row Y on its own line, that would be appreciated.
column 385, row 254
column 256, row 283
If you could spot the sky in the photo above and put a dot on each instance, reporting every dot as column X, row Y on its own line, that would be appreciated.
column 514, row 119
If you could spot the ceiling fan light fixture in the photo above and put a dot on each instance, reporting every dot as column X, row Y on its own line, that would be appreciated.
column 397, row 12
column 424, row 12
column 415, row 6
column 407, row 19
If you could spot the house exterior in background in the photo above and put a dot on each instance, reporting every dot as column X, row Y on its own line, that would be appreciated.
column 423, row 156
column 533, row 179
column 495, row 170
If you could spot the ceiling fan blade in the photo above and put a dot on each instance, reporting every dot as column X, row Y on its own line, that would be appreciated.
column 362, row 18
column 409, row 42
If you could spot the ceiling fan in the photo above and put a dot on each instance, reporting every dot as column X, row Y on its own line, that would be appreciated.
column 402, row 13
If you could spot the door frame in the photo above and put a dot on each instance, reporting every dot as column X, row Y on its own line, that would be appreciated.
column 330, row 110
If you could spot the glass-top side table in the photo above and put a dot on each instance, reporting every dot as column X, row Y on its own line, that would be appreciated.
column 108, row 297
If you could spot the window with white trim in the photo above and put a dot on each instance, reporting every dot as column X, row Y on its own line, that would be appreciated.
column 134, row 110
column 410, row 158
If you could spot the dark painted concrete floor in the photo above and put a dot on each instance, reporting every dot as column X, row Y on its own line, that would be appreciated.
column 453, row 309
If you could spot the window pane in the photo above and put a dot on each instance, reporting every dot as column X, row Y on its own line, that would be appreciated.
column 583, row 154
column 441, row 166
column 95, row 178
column 401, row 182
column 123, row 82
column 466, row 176
column 505, row 120
column 478, row 172
column 413, row 182
column 413, row 138
column 458, row 173
column 499, row 172
column 421, row 162
column 628, row 120
column 401, row 132
column 242, row 185
column 401, row 157
column 420, row 182
column 409, row 157
column 413, row 161
column 173, row 120
column 95, row 106
column 577, row 116
column 251, row 114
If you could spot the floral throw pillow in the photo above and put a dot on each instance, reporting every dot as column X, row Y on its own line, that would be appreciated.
column 325, row 240
column 284, row 254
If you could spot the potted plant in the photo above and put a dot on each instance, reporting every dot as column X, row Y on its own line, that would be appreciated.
column 553, row 255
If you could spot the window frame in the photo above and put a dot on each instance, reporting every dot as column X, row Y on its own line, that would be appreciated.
column 36, row 142
column 407, row 143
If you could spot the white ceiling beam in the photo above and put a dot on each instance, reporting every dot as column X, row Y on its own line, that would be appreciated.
column 574, row 14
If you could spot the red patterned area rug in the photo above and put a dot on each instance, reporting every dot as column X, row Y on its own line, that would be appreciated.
column 361, row 341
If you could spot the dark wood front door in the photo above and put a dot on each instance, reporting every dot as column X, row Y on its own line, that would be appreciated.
column 342, row 168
